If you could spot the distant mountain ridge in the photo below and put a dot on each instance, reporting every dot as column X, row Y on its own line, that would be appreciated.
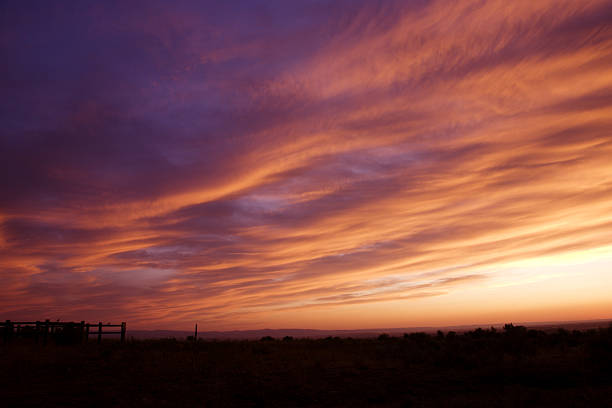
column 357, row 333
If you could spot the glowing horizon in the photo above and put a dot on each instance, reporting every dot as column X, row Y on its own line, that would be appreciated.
column 318, row 164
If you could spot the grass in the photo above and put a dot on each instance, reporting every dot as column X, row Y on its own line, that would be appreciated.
column 510, row 368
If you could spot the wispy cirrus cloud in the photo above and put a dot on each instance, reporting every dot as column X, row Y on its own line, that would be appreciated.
column 225, row 163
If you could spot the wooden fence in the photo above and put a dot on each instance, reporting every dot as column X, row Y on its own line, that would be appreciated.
column 42, row 330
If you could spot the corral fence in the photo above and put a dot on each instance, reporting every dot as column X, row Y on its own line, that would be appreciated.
column 74, row 332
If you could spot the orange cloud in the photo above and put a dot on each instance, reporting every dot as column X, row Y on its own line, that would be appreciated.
column 394, row 156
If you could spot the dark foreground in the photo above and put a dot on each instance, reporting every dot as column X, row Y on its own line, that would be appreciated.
column 482, row 368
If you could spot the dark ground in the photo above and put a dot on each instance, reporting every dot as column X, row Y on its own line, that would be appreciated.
column 514, row 367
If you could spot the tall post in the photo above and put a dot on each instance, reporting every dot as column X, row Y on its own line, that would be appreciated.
column 8, row 331
column 87, row 333
column 46, row 331
column 195, row 336
column 81, row 330
column 99, row 332
column 36, row 333
column 123, row 332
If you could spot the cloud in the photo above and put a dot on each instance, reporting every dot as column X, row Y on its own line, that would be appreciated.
column 217, row 162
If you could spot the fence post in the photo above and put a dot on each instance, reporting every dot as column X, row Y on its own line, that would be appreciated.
column 46, row 331
column 8, row 331
column 123, row 332
column 195, row 335
column 81, row 329
column 87, row 333
column 99, row 332
column 36, row 334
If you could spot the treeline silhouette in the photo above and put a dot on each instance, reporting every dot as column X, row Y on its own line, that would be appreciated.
column 513, row 366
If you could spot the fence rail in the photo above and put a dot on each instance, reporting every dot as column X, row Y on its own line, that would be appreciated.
column 45, row 329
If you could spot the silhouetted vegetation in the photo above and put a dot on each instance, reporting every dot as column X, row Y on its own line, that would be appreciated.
column 515, row 366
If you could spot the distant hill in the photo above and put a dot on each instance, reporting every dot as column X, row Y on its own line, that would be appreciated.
column 356, row 333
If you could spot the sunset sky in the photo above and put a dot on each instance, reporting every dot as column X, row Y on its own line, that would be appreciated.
column 313, row 164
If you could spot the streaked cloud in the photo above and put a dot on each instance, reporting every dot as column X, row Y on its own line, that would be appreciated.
column 243, row 164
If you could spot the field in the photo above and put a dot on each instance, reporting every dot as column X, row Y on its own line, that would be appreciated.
column 480, row 368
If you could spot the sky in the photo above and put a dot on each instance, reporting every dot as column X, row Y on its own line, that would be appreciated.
column 306, row 164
